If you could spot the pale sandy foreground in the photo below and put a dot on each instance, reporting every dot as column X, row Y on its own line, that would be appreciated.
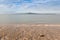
column 29, row 31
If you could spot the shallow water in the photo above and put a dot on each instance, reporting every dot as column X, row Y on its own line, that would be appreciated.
column 5, row 18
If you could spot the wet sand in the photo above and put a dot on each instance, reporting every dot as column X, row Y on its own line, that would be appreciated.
column 29, row 31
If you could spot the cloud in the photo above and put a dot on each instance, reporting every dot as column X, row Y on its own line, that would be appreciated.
column 29, row 6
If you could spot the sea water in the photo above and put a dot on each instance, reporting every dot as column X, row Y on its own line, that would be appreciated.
column 14, row 18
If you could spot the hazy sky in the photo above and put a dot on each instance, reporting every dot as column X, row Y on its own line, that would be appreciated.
column 22, row 6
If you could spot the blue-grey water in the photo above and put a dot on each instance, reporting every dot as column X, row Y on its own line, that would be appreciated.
column 6, row 18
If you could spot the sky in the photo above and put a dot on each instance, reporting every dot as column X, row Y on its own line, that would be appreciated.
column 24, row 6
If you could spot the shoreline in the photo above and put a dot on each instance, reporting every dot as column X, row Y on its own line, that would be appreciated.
column 30, row 31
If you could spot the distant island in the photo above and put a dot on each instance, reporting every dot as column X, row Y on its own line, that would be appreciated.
column 30, row 13
column 35, row 13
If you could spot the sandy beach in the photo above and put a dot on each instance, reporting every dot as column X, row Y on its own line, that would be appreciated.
column 29, row 31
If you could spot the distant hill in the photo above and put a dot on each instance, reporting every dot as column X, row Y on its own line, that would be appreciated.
column 32, row 13
column 35, row 13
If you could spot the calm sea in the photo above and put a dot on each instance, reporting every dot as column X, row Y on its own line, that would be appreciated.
column 6, row 18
